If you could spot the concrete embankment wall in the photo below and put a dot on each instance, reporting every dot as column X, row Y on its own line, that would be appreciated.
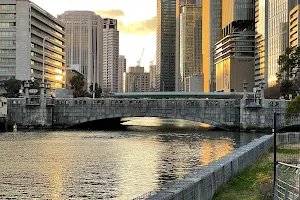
column 204, row 182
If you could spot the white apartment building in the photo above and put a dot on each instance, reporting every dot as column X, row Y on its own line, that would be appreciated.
column 25, row 29
column 110, row 55
column 122, row 70
column 84, row 43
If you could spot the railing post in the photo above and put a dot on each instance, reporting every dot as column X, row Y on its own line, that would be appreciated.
column 275, row 146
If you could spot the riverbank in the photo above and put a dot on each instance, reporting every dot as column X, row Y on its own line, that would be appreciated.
column 255, row 182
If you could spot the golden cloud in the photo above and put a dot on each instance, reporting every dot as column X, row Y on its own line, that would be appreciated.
column 113, row 13
column 138, row 28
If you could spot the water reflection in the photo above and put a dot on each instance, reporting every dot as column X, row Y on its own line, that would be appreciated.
column 106, row 164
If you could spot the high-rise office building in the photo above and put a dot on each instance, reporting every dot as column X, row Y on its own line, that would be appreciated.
column 166, row 42
column 84, row 43
column 136, row 80
column 278, row 34
column 261, row 41
column 234, row 57
column 25, row 29
column 237, row 15
column 294, row 29
column 121, row 71
column 234, row 54
column 211, row 34
column 190, row 44
column 110, row 55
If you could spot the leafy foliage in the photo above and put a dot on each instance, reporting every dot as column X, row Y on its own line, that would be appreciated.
column 78, row 85
column 287, row 87
column 288, row 77
column 12, row 87
column 98, row 90
column 292, row 109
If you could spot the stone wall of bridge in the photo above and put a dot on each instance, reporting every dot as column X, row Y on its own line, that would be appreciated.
column 223, row 113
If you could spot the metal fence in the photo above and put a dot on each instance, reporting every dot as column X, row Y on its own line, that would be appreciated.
column 286, row 157
column 287, row 185
column 288, row 150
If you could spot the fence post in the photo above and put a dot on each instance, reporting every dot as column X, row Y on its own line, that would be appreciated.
column 275, row 147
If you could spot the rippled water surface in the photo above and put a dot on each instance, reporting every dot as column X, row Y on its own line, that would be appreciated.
column 106, row 164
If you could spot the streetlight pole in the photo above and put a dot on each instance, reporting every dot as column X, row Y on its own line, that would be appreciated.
column 44, row 39
column 94, row 75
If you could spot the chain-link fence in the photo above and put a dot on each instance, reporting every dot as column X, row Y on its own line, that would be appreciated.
column 287, row 185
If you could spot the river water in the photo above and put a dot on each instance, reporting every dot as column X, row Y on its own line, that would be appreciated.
column 116, row 165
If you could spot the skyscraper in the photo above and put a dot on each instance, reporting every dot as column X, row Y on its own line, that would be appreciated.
column 261, row 41
column 278, row 34
column 190, row 43
column 110, row 55
column 234, row 53
column 84, row 43
column 25, row 29
column 166, row 44
column 294, row 17
column 211, row 34
column 122, row 70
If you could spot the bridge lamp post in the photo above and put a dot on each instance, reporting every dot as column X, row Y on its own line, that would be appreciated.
column 245, row 86
column 262, row 87
column 44, row 39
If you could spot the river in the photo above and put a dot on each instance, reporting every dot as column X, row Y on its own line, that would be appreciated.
column 120, row 164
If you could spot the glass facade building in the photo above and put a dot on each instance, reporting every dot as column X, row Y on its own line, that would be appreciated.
column 261, row 41
column 234, row 54
column 212, row 33
column 278, row 35
column 294, row 29
column 237, row 15
column 166, row 44
column 23, row 27
column 190, row 43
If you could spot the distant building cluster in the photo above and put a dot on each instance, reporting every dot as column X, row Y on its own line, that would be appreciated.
column 222, row 41
column 201, row 46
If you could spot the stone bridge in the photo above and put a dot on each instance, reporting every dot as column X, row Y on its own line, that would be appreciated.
column 244, row 113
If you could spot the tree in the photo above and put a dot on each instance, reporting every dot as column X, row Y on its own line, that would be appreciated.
column 287, row 87
column 287, row 76
column 98, row 90
column 78, row 86
column 287, row 63
column 292, row 110
column 12, row 87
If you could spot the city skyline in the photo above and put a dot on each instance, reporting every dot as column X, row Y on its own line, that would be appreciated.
column 137, row 29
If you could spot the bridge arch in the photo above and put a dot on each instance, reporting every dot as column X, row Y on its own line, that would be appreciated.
column 116, row 116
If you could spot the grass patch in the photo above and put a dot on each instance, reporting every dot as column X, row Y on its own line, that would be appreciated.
column 288, row 151
column 245, row 185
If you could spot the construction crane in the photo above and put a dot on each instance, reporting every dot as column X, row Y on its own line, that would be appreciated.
column 140, row 60
column 152, row 61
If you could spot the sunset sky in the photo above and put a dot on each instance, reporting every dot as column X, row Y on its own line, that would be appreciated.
column 136, row 22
